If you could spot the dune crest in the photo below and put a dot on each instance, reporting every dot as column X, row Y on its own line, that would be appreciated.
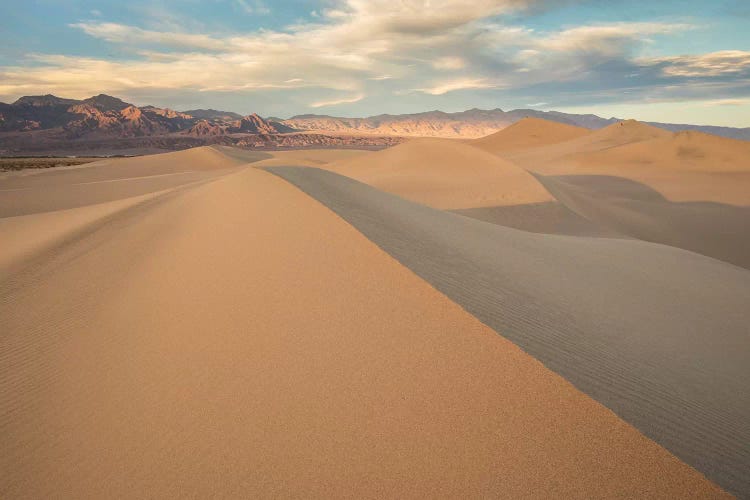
column 444, row 173
column 657, row 334
column 687, row 150
column 625, row 132
column 617, row 134
column 529, row 132
column 116, row 179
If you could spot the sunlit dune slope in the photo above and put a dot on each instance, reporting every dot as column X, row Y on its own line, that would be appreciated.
column 551, row 153
column 529, row 132
column 682, row 167
column 686, row 150
column 115, row 179
column 205, row 158
column 311, row 157
column 444, row 173
column 622, row 133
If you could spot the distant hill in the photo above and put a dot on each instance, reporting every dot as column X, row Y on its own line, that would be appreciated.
column 34, row 123
column 213, row 114
column 104, row 116
column 475, row 123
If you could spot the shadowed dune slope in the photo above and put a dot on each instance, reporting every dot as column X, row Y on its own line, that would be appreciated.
column 548, row 218
column 655, row 333
column 529, row 132
column 689, row 190
column 238, row 339
column 444, row 173
column 114, row 179
column 718, row 230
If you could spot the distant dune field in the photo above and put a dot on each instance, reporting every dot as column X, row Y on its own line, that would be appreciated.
column 688, row 189
column 546, row 312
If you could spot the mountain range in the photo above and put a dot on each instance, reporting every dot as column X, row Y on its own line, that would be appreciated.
column 48, row 122
column 107, row 116
column 476, row 123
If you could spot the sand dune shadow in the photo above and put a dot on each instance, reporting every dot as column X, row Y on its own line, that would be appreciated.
column 628, row 207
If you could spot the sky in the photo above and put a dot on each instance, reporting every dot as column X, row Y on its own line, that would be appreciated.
column 685, row 61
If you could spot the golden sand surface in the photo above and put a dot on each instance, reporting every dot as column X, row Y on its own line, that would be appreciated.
column 230, row 336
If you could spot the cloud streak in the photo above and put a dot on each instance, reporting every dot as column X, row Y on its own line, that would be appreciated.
column 337, row 102
column 454, row 85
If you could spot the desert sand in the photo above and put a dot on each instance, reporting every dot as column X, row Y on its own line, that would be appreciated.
column 688, row 189
column 579, row 305
column 211, row 323
column 444, row 173
column 528, row 133
column 683, row 167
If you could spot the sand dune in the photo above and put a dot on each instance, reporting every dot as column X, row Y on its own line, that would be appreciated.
column 444, row 173
column 114, row 179
column 178, row 162
column 624, row 132
column 657, row 334
column 26, row 236
column 190, row 325
column 687, row 166
column 550, row 217
column 311, row 157
column 235, row 338
column 681, row 151
column 529, row 132
column 689, row 190
column 617, row 134
column 718, row 230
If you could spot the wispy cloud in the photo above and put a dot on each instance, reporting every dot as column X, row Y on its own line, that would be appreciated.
column 449, row 63
column 454, row 85
column 728, row 102
column 713, row 64
column 122, row 34
column 336, row 102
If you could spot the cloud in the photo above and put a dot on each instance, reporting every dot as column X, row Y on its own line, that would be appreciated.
column 714, row 64
column 336, row 102
column 728, row 102
column 131, row 35
column 449, row 63
column 383, row 49
column 451, row 86
column 611, row 38
column 255, row 7
column 578, row 52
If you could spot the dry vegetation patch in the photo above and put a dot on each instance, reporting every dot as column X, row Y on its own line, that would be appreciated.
column 8, row 164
